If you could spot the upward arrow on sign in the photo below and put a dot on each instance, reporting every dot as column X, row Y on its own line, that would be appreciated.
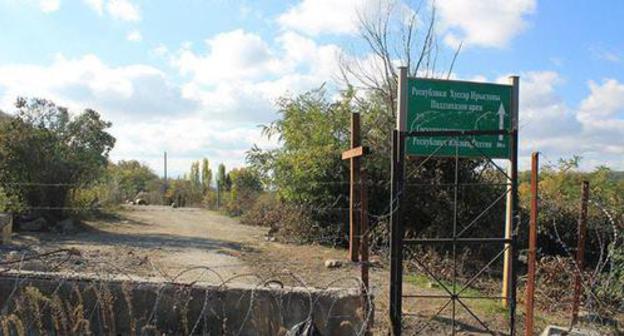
column 501, row 120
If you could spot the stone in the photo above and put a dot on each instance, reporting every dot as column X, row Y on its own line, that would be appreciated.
column 552, row 330
column 333, row 263
column 35, row 225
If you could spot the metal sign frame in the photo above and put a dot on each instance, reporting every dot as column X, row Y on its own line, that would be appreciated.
column 397, row 204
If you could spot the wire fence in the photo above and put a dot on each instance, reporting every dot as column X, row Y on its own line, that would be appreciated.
column 555, row 270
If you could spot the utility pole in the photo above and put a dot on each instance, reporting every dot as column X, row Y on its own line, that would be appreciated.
column 165, row 168
column 165, row 179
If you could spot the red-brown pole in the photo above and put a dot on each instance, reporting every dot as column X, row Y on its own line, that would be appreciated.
column 580, row 251
column 364, row 229
column 364, row 249
column 530, row 290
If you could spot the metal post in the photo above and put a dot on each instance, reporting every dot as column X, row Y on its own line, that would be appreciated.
column 354, row 196
column 396, row 227
column 530, row 291
column 515, row 81
column 580, row 251
column 396, row 233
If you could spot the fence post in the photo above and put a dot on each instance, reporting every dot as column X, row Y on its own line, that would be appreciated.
column 580, row 251
column 354, row 197
column 530, row 289
column 364, row 251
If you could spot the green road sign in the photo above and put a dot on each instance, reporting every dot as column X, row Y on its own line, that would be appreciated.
column 442, row 105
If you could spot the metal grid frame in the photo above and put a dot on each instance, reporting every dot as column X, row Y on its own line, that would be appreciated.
column 398, row 240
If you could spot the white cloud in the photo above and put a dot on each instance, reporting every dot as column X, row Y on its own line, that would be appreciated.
column 234, row 55
column 314, row 17
column 125, row 92
column 134, row 36
column 96, row 5
column 123, row 10
column 161, row 50
column 49, row 6
column 606, row 54
column 605, row 101
column 149, row 113
column 322, row 16
column 241, row 76
column 485, row 23
column 602, row 115
column 541, row 107
column 594, row 129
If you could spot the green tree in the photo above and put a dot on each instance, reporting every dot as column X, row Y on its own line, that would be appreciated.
column 45, row 154
column 222, row 178
column 194, row 175
column 246, row 187
column 313, row 132
column 206, row 173
column 132, row 177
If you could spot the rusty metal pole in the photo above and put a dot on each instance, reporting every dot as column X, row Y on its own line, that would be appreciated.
column 530, row 290
column 364, row 250
column 354, row 195
column 580, row 251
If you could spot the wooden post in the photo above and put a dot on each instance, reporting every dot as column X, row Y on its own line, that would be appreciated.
column 530, row 290
column 364, row 230
column 354, row 195
column 507, row 254
column 580, row 251
column 364, row 250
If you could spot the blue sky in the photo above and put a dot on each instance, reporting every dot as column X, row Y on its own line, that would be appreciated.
column 196, row 77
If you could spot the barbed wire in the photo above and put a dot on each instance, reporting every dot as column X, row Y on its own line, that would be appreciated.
column 17, row 303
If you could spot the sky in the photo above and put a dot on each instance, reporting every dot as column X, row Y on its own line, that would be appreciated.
column 196, row 78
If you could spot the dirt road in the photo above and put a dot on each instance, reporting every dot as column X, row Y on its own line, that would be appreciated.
column 150, row 241
column 156, row 241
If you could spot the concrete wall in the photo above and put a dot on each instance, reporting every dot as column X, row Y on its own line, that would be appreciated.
column 118, row 306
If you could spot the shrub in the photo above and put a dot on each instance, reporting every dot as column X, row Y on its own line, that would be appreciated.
column 295, row 223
